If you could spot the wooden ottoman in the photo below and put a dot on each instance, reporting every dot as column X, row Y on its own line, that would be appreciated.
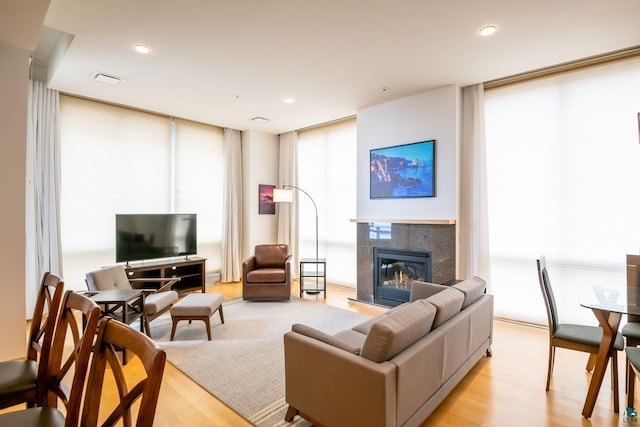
column 196, row 307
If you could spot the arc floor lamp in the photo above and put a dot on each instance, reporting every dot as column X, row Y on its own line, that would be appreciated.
column 285, row 195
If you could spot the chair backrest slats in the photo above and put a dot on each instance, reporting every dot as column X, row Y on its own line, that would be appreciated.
column 114, row 335
column 70, row 353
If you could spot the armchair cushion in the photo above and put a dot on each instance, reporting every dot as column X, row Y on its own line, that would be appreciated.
column 159, row 301
column 267, row 275
column 271, row 256
column 107, row 279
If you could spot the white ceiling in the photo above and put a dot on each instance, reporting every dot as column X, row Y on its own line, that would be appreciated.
column 225, row 61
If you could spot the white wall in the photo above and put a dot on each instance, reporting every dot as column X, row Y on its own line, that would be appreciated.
column 260, row 166
column 14, row 69
column 429, row 115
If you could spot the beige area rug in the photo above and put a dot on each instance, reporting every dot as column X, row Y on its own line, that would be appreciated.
column 243, row 365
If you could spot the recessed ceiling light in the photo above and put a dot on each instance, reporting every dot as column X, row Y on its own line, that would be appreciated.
column 288, row 100
column 140, row 48
column 488, row 30
column 259, row 120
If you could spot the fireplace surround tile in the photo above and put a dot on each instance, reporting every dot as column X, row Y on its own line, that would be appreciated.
column 440, row 239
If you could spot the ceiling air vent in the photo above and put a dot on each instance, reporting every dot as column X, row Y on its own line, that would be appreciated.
column 107, row 79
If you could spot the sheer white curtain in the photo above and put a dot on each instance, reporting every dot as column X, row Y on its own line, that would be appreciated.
column 473, row 222
column 327, row 156
column 43, row 188
column 563, row 155
column 288, row 174
column 232, row 207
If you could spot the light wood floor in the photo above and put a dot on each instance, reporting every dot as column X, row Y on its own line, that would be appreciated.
column 504, row 390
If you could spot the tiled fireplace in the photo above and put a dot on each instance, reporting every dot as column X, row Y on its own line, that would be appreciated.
column 411, row 239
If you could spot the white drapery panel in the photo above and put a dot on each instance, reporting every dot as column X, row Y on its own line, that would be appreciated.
column 288, row 212
column 327, row 156
column 563, row 155
column 473, row 220
column 232, row 207
column 43, row 188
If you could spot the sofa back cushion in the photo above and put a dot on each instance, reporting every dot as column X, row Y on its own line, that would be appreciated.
column 448, row 303
column 394, row 332
column 472, row 289
column 271, row 256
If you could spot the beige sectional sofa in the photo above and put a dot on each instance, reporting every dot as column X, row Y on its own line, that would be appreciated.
column 392, row 370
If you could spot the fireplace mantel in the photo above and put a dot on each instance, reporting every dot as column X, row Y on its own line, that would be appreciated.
column 406, row 221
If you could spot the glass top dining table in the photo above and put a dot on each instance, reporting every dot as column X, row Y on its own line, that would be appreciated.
column 608, row 304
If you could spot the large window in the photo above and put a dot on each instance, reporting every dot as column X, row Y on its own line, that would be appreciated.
column 563, row 167
column 327, row 171
column 118, row 160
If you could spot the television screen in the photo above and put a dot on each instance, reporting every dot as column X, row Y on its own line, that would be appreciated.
column 403, row 171
column 149, row 236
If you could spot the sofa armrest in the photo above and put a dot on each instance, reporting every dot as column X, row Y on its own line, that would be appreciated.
column 324, row 337
column 334, row 387
column 422, row 290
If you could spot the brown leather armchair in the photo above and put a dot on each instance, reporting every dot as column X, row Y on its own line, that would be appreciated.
column 266, row 275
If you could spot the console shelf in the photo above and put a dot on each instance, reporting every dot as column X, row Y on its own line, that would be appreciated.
column 191, row 272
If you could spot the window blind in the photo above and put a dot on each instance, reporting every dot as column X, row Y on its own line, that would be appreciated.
column 327, row 171
column 563, row 159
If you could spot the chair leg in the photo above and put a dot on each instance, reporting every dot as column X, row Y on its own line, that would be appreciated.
column 614, row 381
column 631, row 382
column 552, row 353
column 221, row 314
column 591, row 362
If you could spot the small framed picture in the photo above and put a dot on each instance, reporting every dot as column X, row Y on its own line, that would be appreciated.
column 266, row 205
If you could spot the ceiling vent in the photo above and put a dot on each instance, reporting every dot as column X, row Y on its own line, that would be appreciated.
column 107, row 79
column 259, row 120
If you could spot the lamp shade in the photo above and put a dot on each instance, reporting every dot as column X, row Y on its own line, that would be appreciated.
column 281, row 195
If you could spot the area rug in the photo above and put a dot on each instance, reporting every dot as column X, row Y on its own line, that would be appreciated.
column 243, row 365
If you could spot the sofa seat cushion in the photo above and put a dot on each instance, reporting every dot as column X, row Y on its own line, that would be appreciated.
column 394, row 332
column 448, row 303
column 472, row 289
column 267, row 275
column 340, row 342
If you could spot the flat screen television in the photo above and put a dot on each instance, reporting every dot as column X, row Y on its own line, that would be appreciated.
column 401, row 171
column 150, row 236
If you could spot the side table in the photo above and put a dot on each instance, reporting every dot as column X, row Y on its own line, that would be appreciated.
column 313, row 268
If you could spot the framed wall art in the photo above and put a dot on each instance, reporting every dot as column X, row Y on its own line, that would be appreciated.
column 266, row 205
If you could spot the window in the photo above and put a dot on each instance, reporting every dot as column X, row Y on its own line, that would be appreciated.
column 327, row 171
column 119, row 160
column 563, row 162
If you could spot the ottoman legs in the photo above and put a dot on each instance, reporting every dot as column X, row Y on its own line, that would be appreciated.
column 175, row 319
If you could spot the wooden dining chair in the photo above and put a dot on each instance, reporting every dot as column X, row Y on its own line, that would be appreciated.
column 76, row 328
column 145, row 387
column 24, row 381
column 631, row 330
column 570, row 336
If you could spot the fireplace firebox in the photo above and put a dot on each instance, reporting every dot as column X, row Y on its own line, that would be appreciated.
column 395, row 269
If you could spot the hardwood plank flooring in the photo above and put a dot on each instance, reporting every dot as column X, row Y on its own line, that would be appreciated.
column 504, row 390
